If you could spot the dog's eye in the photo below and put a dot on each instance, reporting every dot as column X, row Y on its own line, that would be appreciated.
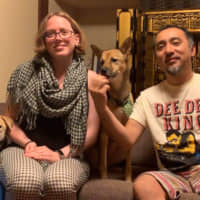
column 113, row 60
column 101, row 62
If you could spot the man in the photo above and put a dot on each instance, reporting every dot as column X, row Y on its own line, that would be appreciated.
column 171, row 112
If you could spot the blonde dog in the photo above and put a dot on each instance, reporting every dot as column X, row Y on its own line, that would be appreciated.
column 6, row 124
column 114, row 65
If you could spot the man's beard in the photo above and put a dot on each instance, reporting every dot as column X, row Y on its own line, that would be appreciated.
column 174, row 70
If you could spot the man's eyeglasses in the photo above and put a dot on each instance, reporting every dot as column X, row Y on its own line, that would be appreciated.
column 62, row 33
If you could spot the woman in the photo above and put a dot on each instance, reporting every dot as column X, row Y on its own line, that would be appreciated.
column 55, row 117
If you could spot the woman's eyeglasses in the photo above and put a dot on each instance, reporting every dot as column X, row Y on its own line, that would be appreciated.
column 62, row 34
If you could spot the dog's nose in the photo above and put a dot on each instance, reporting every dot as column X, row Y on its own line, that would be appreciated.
column 103, row 71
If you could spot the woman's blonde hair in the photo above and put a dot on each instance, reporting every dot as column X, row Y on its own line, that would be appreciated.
column 40, row 47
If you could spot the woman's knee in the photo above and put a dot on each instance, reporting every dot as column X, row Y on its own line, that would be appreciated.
column 65, row 180
column 24, row 176
column 25, row 186
column 60, row 187
column 63, row 184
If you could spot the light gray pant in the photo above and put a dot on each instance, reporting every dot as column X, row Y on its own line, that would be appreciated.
column 27, row 178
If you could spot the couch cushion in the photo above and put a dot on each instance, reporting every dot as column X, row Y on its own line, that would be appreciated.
column 106, row 189
column 143, row 153
column 189, row 196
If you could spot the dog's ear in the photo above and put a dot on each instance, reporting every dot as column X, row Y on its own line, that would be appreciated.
column 96, row 50
column 8, row 121
column 126, row 46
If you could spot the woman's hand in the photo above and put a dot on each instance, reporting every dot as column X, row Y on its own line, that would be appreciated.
column 42, row 153
column 30, row 147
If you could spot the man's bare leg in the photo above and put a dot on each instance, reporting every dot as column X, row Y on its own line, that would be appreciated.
column 146, row 187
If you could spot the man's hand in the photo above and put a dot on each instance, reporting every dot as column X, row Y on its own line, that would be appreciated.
column 98, row 86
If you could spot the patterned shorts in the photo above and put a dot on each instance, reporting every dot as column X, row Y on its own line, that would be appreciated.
column 177, row 183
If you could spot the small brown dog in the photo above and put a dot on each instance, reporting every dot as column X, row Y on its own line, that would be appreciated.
column 114, row 65
column 5, row 125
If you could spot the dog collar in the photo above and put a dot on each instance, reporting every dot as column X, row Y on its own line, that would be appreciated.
column 127, row 104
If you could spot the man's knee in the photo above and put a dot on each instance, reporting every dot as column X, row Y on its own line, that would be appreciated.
column 147, row 185
column 143, row 180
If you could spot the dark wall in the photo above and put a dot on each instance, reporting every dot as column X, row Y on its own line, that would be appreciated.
column 169, row 4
